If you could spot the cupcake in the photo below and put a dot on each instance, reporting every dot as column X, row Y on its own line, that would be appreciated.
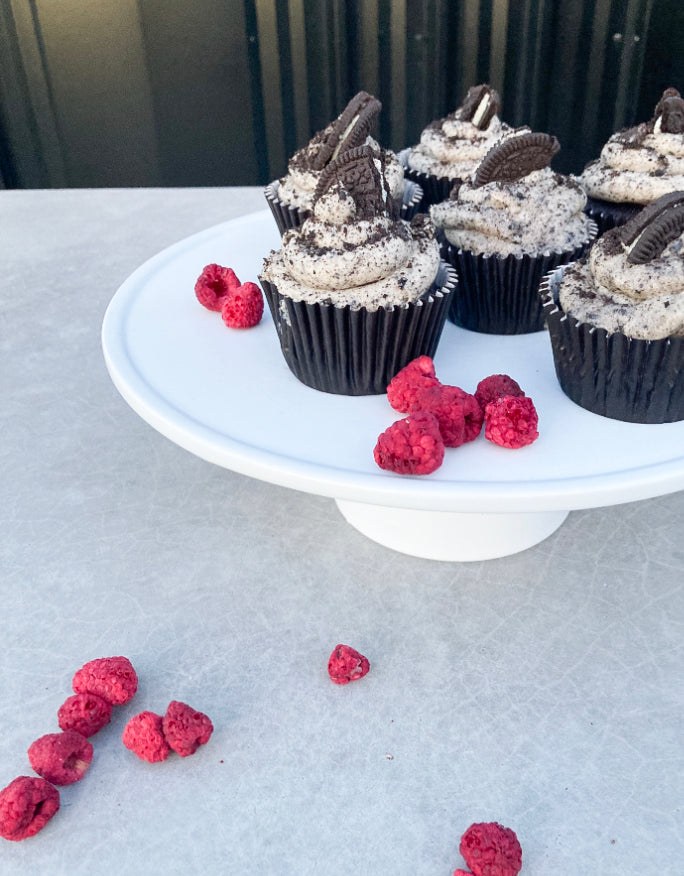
column 616, row 319
column 356, row 293
column 291, row 197
column 451, row 148
column 638, row 165
column 505, row 228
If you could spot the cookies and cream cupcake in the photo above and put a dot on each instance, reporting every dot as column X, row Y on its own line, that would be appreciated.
column 616, row 318
column 291, row 197
column 356, row 293
column 504, row 228
column 638, row 165
column 450, row 149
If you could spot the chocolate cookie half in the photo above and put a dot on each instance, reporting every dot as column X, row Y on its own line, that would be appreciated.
column 516, row 157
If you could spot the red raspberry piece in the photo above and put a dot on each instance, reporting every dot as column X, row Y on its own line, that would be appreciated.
column 411, row 446
column 26, row 806
column 511, row 421
column 61, row 758
column 244, row 308
column 185, row 729
column 490, row 849
column 85, row 712
column 144, row 736
column 458, row 413
column 418, row 374
column 496, row 386
column 346, row 664
column 214, row 284
column 112, row 678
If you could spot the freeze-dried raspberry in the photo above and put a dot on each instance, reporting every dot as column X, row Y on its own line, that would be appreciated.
column 511, row 421
column 214, row 284
column 411, row 446
column 496, row 386
column 144, row 736
column 490, row 849
column 346, row 664
column 61, row 758
column 418, row 374
column 244, row 308
column 85, row 712
column 185, row 729
column 112, row 678
column 458, row 413
column 26, row 806
column 459, row 872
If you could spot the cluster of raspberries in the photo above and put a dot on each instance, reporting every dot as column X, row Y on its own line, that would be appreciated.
column 490, row 849
column 241, row 305
column 28, row 803
column 442, row 416
column 181, row 729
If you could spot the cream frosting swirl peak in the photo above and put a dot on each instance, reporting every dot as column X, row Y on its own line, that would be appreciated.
column 352, row 250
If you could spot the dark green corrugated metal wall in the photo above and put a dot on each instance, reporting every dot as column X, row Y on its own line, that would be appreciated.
column 215, row 92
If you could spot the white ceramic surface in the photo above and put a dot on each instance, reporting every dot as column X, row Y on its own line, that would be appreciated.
column 228, row 397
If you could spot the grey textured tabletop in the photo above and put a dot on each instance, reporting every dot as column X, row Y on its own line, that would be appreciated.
column 541, row 690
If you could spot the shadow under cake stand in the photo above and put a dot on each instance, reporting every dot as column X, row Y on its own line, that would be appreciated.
column 228, row 397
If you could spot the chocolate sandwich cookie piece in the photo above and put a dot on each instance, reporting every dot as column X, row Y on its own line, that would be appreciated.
column 481, row 104
column 666, row 95
column 350, row 129
column 355, row 171
column 649, row 232
column 672, row 116
column 515, row 157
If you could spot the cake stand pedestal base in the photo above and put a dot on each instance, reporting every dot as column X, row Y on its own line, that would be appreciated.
column 451, row 535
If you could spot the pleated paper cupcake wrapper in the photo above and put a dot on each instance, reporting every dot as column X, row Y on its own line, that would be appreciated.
column 608, row 215
column 287, row 216
column 358, row 352
column 500, row 295
column 612, row 375
column 435, row 188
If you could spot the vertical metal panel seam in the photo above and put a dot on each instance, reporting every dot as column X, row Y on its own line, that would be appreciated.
column 255, row 77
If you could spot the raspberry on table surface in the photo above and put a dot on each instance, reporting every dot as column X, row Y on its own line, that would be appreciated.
column 26, row 806
column 214, row 284
column 244, row 308
column 185, row 729
column 112, row 678
column 458, row 413
column 413, row 445
column 61, row 758
column 496, row 386
column 418, row 374
column 490, row 849
column 345, row 664
column 85, row 712
column 144, row 736
column 511, row 421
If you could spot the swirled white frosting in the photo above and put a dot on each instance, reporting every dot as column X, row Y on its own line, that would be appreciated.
column 336, row 259
column 298, row 186
column 453, row 148
column 641, row 301
column 637, row 165
column 542, row 212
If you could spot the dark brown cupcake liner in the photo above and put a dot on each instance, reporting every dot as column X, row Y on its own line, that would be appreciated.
column 435, row 188
column 287, row 216
column 607, row 214
column 358, row 352
column 612, row 375
column 500, row 295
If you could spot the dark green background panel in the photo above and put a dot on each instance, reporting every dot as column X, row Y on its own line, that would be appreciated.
column 221, row 92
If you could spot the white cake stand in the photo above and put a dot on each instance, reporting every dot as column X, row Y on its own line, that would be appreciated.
column 228, row 397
